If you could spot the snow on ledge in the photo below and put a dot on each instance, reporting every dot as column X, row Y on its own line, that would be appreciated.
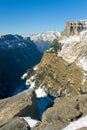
column 83, row 63
column 35, row 68
column 24, row 76
column 80, row 123
column 40, row 93
column 31, row 122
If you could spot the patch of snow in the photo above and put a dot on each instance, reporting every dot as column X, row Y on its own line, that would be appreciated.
column 82, row 122
column 68, row 47
column 70, row 40
column 83, row 63
column 35, row 68
column 50, row 49
column 32, row 85
column 83, row 35
column 72, row 46
column 31, row 82
column 24, row 76
column 84, row 78
column 40, row 93
column 31, row 122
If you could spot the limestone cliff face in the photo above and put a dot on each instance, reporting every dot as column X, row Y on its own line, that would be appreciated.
column 75, row 27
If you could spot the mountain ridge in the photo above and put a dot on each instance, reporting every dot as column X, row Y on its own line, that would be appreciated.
column 43, row 40
column 62, row 70
column 17, row 54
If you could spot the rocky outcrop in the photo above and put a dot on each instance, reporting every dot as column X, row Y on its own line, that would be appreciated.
column 75, row 27
column 16, row 124
column 64, row 111
column 21, row 105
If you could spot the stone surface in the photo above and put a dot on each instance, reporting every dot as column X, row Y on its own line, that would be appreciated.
column 63, row 71
column 75, row 27
column 84, row 128
column 16, row 124
column 21, row 105
column 64, row 111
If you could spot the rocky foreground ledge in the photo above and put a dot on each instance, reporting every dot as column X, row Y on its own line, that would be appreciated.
column 63, row 112
column 22, row 105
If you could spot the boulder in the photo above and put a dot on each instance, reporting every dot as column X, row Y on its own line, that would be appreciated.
column 22, row 105
column 64, row 111
column 16, row 124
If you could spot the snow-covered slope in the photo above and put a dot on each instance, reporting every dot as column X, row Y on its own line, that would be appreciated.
column 43, row 40
column 72, row 46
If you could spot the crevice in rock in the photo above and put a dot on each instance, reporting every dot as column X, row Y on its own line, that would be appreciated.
column 77, row 117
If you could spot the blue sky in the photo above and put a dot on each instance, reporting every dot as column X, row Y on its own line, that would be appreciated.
column 34, row 16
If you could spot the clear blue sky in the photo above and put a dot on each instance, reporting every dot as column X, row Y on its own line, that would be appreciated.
column 34, row 16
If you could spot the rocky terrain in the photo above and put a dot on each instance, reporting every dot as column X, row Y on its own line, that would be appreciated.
column 62, row 71
column 21, row 105
column 16, row 123
column 63, row 112
column 57, row 93
column 17, row 54
column 75, row 27
column 43, row 40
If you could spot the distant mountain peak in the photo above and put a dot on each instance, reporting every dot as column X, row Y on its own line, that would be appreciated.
column 44, row 39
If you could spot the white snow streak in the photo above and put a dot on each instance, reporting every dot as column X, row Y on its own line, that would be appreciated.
column 24, row 76
column 82, row 122
column 31, row 122
column 40, row 93
column 83, row 63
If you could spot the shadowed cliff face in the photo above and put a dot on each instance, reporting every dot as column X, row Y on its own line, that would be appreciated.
column 17, row 54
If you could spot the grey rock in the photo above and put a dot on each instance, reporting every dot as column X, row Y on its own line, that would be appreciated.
column 83, row 128
column 75, row 27
column 64, row 111
column 16, row 124
column 22, row 105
